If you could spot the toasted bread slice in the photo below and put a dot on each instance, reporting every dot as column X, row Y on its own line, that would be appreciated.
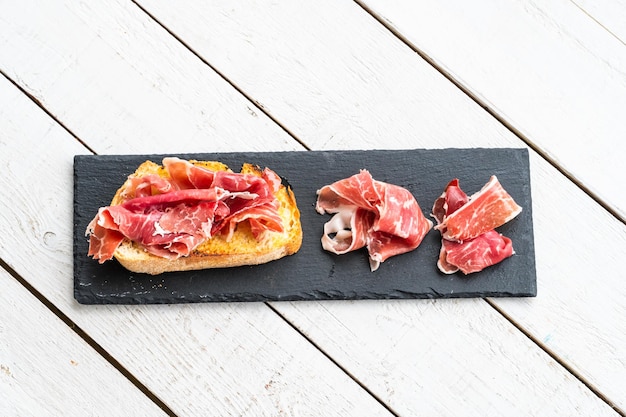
column 242, row 249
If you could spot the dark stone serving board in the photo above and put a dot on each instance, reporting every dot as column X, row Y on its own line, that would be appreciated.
column 312, row 273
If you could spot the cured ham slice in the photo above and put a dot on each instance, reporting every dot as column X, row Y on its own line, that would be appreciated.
column 383, row 217
column 469, row 242
column 474, row 255
column 104, row 238
column 450, row 201
column 171, row 214
column 488, row 209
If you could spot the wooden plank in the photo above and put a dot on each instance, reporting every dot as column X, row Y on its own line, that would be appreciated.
column 548, row 69
column 312, row 273
column 47, row 370
column 373, row 91
column 235, row 360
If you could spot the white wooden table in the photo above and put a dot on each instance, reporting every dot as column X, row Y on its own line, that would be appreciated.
column 154, row 76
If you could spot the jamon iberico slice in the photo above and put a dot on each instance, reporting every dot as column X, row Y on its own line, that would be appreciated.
column 383, row 217
column 469, row 242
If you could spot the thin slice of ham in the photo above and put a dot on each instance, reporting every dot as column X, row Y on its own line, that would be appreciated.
column 171, row 215
column 168, row 232
column 474, row 255
column 104, row 236
column 469, row 242
column 488, row 209
column 383, row 217
column 452, row 199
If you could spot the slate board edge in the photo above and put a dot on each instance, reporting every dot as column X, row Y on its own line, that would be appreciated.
column 248, row 298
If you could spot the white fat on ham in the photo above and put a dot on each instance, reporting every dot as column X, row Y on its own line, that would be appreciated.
column 338, row 236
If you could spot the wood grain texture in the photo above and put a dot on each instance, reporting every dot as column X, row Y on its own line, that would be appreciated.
column 569, row 102
column 235, row 360
column 47, row 370
column 116, row 79
column 312, row 273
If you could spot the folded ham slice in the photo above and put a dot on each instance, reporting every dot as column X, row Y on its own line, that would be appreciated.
column 383, row 217
column 171, row 215
column 469, row 242
column 474, row 255
column 488, row 209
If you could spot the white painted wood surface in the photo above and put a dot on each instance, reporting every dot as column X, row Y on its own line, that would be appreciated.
column 335, row 79
column 547, row 68
column 48, row 370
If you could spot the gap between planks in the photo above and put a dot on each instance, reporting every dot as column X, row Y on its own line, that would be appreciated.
column 556, row 358
column 598, row 22
column 256, row 103
column 88, row 339
column 45, row 110
column 492, row 112
column 332, row 360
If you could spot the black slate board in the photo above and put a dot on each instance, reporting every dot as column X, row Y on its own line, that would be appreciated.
column 312, row 273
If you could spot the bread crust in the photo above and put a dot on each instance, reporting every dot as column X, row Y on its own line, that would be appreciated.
column 216, row 252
